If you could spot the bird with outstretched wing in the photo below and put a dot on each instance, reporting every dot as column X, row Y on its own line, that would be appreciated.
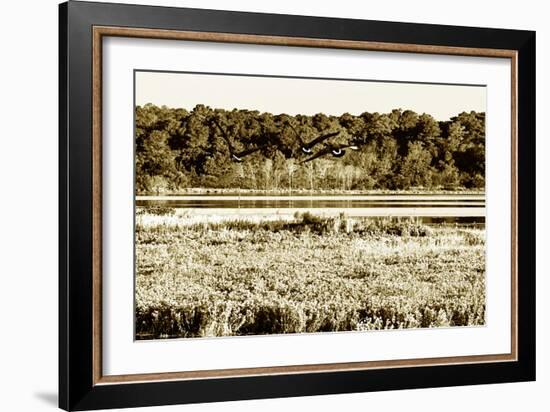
column 336, row 150
column 308, row 146
column 236, row 156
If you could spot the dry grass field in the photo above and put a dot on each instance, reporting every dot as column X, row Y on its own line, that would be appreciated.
column 199, row 276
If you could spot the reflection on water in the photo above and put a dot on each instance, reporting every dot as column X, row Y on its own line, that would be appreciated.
column 431, row 209
column 266, row 204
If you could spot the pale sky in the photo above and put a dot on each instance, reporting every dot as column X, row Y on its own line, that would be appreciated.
column 304, row 96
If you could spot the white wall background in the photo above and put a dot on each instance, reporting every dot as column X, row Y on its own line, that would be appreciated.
column 28, row 207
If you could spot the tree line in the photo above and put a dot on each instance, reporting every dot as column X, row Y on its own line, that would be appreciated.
column 177, row 149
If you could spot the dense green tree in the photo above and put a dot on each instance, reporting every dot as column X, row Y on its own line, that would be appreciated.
column 178, row 149
column 415, row 170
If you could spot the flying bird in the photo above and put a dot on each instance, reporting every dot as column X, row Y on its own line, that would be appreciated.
column 307, row 147
column 336, row 150
column 236, row 156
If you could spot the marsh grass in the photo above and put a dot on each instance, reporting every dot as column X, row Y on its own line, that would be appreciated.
column 302, row 222
column 305, row 274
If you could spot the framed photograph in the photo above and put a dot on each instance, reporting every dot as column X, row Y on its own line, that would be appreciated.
column 256, row 205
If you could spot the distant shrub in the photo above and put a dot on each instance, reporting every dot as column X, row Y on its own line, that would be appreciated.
column 310, row 219
column 156, row 210
column 393, row 226
column 472, row 238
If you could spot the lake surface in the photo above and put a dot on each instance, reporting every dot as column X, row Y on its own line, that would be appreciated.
column 459, row 208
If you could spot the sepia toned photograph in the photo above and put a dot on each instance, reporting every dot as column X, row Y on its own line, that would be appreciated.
column 280, row 205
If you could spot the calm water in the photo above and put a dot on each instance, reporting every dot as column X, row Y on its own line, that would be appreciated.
column 305, row 201
column 463, row 209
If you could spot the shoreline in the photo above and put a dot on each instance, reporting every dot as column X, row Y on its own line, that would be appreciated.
column 304, row 193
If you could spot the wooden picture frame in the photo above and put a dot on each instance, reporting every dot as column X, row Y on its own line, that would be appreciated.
column 82, row 384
